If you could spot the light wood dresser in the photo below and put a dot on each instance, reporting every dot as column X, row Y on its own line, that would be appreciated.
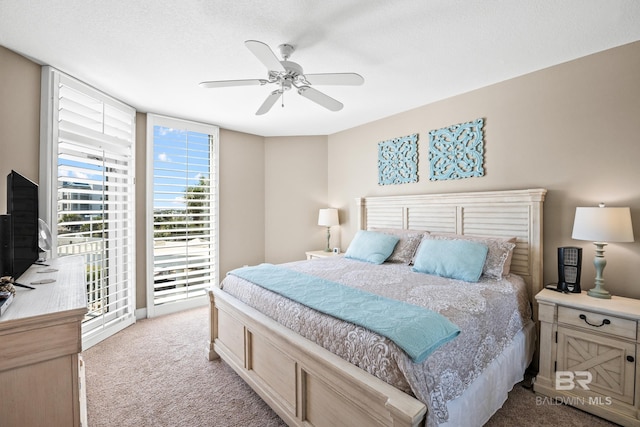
column 589, row 350
column 40, row 345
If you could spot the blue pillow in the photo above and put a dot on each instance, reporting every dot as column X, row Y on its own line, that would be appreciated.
column 455, row 259
column 370, row 246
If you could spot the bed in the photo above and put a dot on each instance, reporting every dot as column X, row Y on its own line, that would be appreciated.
column 313, row 384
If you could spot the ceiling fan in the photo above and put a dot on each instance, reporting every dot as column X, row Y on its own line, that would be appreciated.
column 286, row 75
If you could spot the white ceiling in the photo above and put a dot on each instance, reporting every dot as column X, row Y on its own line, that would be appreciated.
column 152, row 54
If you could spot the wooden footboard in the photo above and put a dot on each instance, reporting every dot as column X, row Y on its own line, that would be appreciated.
column 305, row 384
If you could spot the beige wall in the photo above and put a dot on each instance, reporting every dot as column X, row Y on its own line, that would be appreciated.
column 572, row 129
column 141, row 215
column 19, row 119
column 295, row 189
column 242, row 200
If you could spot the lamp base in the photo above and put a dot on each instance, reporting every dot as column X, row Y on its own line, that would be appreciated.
column 599, row 293
column 599, row 263
column 328, row 248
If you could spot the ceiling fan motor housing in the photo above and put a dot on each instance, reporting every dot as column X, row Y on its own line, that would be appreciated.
column 292, row 74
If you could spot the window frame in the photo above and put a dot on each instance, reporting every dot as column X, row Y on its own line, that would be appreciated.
column 153, row 120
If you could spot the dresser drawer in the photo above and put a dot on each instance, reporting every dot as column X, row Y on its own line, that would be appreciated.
column 598, row 322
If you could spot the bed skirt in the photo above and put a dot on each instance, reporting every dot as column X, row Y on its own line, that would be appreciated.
column 476, row 406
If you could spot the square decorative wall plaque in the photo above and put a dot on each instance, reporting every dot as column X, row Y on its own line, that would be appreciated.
column 456, row 151
column 398, row 160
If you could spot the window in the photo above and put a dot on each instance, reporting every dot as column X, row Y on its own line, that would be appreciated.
column 87, row 191
column 182, row 213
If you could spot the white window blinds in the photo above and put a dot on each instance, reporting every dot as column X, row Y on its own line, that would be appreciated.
column 183, row 207
column 90, row 167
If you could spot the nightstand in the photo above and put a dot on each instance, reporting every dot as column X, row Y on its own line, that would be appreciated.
column 321, row 254
column 589, row 354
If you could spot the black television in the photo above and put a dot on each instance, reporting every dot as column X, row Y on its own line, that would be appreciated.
column 22, row 209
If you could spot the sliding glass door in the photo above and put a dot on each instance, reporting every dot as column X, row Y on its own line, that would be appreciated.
column 87, row 186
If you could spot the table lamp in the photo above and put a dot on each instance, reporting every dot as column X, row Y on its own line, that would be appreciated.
column 328, row 218
column 602, row 225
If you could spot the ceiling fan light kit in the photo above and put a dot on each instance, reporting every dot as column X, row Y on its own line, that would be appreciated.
column 287, row 74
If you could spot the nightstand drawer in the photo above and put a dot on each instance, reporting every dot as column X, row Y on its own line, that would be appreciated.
column 605, row 323
column 321, row 254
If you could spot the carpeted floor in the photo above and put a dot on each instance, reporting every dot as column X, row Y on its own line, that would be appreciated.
column 155, row 373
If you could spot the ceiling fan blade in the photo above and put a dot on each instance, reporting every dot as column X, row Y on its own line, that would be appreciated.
column 231, row 83
column 268, row 103
column 264, row 53
column 320, row 98
column 344, row 79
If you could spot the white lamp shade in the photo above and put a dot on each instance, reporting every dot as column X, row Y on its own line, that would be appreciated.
column 603, row 224
column 328, row 217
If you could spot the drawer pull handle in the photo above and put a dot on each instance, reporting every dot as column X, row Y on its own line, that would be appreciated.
column 604, row 321
column 630, row 359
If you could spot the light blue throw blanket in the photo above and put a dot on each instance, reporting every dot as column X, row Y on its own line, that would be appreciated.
column 417, row 330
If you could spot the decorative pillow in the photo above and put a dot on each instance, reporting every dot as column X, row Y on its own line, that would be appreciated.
column 498, row 262
column 455, row 259
column 407, row 245
column 370, row 246
column 508, row 245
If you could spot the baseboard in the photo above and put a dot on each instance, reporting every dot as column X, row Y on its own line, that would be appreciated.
column 141, row 313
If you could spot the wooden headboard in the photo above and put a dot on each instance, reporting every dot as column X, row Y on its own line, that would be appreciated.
column 511, row 213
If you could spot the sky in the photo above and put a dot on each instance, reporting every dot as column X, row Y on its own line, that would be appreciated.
column 180, row 159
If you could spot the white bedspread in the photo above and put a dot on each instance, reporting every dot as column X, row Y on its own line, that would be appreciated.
column 489, row 314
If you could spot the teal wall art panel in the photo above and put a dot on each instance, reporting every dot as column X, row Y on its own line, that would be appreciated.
column 398, row 160
column 456, row 151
